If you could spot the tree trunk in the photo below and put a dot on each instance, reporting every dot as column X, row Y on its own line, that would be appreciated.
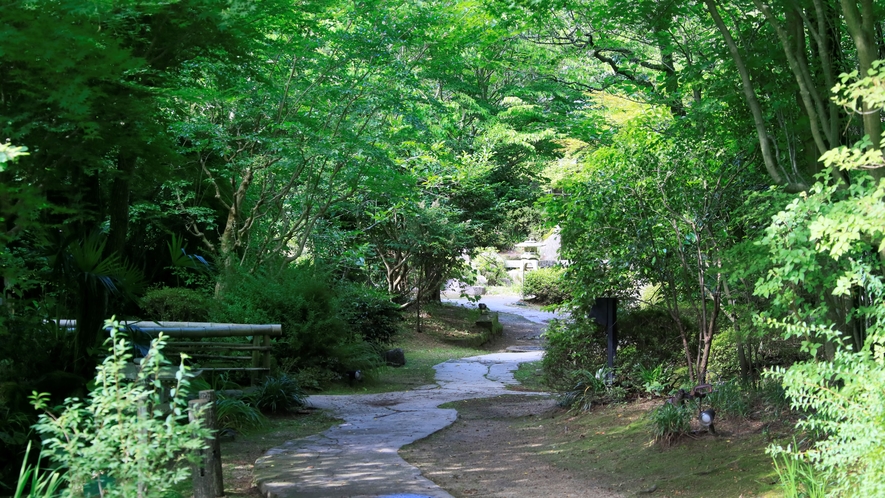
column 861, row 26
column 118, row 204
column 707, row 338
column 768, row 155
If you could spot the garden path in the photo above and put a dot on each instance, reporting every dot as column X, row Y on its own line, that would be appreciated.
column 359, row 458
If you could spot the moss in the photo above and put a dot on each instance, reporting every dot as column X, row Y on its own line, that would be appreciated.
column 614, row 445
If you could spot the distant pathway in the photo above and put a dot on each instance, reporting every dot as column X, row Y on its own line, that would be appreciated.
column 358, row 458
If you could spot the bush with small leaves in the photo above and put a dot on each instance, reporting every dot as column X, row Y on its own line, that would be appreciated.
column 546, row 286
column 830, row 239
column 122, row 440
column 370, row 314
column 177, row 304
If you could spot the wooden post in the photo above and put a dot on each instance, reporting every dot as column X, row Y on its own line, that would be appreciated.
column 207, row 475
column 256, row 358
column 265, row 360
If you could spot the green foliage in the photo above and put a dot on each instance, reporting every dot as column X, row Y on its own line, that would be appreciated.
column 278, row 393
column 652, row 209
column 237, row 414
column 176, row 304
column 592, row 388
column 34, row 481
column 546, row 285
column 491, row 266
column 729, row 398
column 357, row 355
column 301, row 298
column 670, row 421
column 772, row 394
column 724, row 356
column 827, row 283
column 645, row 338
column 648, row 337
column 570, row 346
column 370, row 313
column 654, row 380
column 121, row 438
column 798, row 478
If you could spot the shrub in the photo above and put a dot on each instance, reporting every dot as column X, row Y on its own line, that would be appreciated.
column 570, row 346
column 670, row 421
column 828, row 240
column 118, row 439
column 278, row 393
column 546, row 286
column 177, row 304
column 645, row 337
column 370, row 313
column 299, row 298
column 653, row 380
column 652, row 334
column 592, row 388
column 357, row 356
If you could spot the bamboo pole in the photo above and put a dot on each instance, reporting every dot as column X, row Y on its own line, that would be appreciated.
column 218, row 345
column 218, row 357
column 193, row 329
column 265, row 360
column 256, row 359
column 232, row 369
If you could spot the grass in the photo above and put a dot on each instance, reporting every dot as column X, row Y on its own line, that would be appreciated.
column 442, row 327
column 530, row 376
column 613, row 444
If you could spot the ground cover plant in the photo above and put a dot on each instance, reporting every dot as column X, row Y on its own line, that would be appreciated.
column 614, row 445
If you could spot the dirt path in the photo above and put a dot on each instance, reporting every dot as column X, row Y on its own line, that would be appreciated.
column 494, row 450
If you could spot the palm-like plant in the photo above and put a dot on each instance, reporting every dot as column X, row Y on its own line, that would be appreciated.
column 84, row 268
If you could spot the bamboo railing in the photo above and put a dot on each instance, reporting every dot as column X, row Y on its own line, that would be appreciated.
column 192, row 332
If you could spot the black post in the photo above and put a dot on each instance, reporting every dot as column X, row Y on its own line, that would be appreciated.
column 605, row 311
